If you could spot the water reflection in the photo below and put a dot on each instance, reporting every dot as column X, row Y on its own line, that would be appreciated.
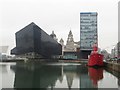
column 3, row 68
column 7, row 75
column 116, row 74
column 95, row 75
column 85, row 81
column 37, row 75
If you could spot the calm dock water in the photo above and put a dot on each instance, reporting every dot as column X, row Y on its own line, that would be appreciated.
column 55, row 75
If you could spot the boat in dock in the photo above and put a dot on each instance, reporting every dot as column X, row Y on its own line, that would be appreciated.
column 95, row 59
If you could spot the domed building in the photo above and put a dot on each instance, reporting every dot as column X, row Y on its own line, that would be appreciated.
column 53, row 35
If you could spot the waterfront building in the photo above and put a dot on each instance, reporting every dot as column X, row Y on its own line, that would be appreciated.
column 88, row 33
column 106, row 54
column 115, row 52
column 112, row 53
column 70, row 43
column 70, row 49
column 33, row 42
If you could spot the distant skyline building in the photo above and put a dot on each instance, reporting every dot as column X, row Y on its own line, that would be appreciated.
column 3, row 52
column 3, row 49
column 88, row 32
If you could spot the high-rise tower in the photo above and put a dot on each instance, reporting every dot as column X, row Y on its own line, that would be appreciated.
column 88, row 32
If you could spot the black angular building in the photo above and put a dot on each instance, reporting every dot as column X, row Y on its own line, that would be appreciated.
column 33, row 42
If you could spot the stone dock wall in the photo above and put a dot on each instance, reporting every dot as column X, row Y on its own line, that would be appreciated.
column 113, row 66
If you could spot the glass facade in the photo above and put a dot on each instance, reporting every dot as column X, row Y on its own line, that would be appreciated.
column 88, row 30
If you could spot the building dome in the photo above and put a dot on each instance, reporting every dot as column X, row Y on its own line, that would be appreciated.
column 53, row 34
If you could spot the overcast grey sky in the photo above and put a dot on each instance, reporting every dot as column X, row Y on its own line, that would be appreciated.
column 60, row 16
